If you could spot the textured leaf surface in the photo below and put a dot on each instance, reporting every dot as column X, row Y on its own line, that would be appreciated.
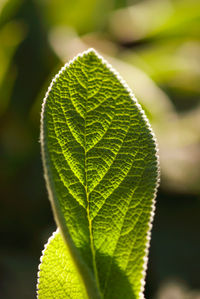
column 101, row 171
column 58, row 276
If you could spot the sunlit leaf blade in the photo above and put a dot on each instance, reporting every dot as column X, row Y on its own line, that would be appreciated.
column 58, row 277
column 100, row 165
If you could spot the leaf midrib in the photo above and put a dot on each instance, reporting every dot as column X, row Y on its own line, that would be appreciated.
column 87, row 196
column 91, row 288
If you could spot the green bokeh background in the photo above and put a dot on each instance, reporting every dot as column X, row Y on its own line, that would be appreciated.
column 155, row 45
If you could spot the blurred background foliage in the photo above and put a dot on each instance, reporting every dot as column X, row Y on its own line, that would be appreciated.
column 155, row 46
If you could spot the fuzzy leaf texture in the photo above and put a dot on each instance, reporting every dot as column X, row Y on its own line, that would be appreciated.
column 101, row 169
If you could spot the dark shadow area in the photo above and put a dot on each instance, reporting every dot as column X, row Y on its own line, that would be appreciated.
column 118, row 285
column 175, row 243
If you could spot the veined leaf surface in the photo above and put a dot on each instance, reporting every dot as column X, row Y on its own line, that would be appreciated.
column 101, row 170
column 59, row 277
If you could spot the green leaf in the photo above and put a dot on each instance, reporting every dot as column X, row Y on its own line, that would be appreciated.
column 54, row 282
column 101, row 169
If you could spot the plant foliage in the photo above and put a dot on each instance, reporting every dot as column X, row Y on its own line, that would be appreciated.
column 101, row 169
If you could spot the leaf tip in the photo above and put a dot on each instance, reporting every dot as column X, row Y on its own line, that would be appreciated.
column 41, row 260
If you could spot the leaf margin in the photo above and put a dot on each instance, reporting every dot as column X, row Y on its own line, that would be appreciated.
column 82, row 269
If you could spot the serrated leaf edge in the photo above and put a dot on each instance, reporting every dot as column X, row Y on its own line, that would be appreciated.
column 41, row 260
column 59, row 218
